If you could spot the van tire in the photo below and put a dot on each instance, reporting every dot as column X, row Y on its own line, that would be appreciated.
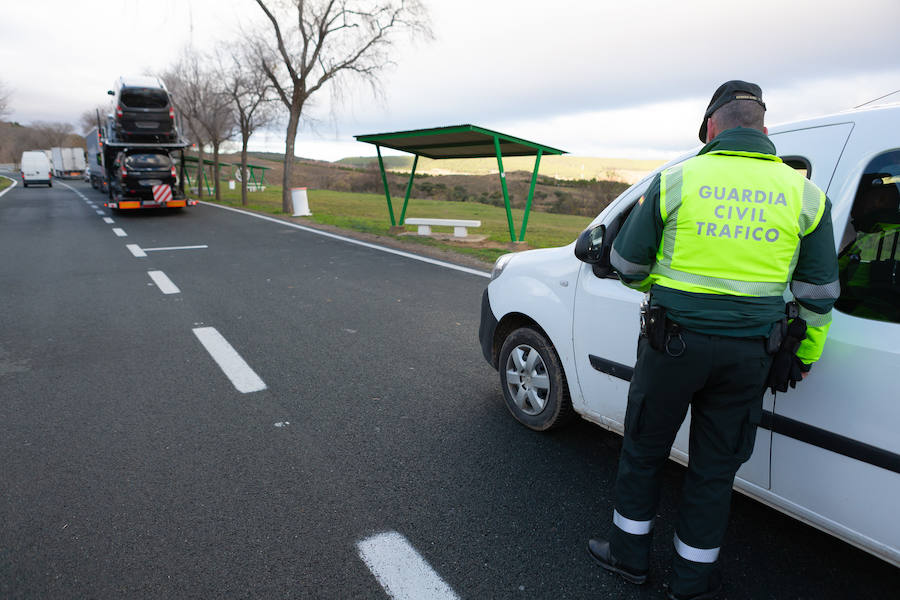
column 533, row 382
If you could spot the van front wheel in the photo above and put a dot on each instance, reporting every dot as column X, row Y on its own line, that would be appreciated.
column 533, row 381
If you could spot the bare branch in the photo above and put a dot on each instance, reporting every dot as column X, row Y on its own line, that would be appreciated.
column 321, row 41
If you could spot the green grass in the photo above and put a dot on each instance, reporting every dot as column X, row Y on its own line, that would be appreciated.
column 368, row 213
column 5, row 182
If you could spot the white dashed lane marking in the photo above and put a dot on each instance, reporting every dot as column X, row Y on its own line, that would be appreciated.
column 164, row 284
column 136, row 251
column 176, row 248
column 245, row 380
column 119, row 232
column 108, row 221
column 400, row 570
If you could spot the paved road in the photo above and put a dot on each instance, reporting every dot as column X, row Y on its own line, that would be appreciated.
column 132, row 466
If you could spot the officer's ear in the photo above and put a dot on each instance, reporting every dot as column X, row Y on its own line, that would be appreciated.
column 711, row 130
column 765, row 130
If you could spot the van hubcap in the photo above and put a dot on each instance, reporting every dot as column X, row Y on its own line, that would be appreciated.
column 527, row 380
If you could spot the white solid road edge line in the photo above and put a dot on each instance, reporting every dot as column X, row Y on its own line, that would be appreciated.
column 400, row 570
column 231, row 363
column 14, row 184
column 162, row 281
column 432, row 261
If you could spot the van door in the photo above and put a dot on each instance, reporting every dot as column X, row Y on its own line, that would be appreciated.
column 836, row 451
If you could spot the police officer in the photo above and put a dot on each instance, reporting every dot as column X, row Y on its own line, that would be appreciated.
column 716, row 240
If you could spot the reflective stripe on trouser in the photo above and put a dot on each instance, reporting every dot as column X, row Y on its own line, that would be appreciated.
column 723, row 380
column 701, row 555
column 630, row 526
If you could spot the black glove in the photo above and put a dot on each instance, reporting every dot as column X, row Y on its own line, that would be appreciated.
column 787, row 369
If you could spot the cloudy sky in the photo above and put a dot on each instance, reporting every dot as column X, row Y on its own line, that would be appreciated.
column 624, row 78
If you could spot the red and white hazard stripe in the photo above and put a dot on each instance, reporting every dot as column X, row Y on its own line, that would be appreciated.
column 162, row 193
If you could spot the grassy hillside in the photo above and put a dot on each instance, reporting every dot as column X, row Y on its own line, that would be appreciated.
column 557, row 167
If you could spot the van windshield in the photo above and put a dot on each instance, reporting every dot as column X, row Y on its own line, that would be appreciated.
column 148, row 161
column 145, row 98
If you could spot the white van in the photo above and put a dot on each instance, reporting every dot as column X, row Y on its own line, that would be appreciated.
column 827, row 452
column 35, row 167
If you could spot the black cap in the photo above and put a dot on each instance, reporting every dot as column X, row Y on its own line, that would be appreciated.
column 728, row 91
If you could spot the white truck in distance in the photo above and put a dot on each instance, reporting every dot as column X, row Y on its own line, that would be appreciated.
column 563, row 335
column 68, row 162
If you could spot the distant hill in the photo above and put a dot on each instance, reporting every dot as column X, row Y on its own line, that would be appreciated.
column 557, row 167
column 399, row 163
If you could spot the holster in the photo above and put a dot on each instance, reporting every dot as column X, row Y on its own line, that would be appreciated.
column 653, row 325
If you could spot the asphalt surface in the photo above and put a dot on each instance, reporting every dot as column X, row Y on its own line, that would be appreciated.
column 131, row 466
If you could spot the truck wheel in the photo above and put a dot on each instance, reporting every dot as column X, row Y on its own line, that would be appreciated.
column 533, row 381
column 50, row 184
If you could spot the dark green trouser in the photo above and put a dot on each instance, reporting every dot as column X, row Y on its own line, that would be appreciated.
column 723, row 380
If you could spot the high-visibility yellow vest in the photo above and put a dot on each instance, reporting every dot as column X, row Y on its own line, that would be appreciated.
column 733, row 224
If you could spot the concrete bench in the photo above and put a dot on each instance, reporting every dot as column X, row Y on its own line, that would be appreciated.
column 459, row 225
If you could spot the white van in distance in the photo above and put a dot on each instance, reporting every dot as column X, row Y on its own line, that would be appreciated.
column 35, row 168
column 563, row 335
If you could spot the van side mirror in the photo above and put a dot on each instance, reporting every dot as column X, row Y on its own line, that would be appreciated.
column 110, row 92
column 589, row 245
column 593, row 247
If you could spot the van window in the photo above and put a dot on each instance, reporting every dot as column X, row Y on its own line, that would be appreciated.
column 144, row 98
column 869, row 256
column 799, row 164
column 148, row 161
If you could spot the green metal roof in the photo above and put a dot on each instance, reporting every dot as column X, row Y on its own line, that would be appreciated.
column 457, row 141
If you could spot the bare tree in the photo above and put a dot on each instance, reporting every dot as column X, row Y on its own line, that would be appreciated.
column 250, row 93
column 89, row 118
column 218, row 122
column 200, row 96
column 317, row 42
column 5, row 95
column 189, row 87
column 48, row 134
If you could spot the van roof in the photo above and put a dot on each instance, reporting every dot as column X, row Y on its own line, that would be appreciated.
column 887, row 113
column 141, row 81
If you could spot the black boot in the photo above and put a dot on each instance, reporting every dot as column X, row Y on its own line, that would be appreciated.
column 599, row 550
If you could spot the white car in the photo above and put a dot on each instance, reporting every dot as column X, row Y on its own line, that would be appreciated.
column 563, row 335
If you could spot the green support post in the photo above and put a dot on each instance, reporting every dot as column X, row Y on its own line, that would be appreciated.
column 512, row 228
column 187, row 175
column 537, row 164
column 387, row 191
column 206, row 180
column 408, row 190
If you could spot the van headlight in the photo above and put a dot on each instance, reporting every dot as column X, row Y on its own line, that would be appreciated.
column 499, row 265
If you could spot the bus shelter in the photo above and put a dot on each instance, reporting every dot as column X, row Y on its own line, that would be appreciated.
column 256, row 174
column 460, row 141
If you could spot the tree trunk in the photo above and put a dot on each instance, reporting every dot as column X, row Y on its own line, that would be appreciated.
column 199, row 170
column 216, row 181
column 293, row 121
column 245, row 138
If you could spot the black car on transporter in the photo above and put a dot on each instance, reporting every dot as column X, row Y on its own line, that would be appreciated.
column 138, row 171
column 143, row 111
